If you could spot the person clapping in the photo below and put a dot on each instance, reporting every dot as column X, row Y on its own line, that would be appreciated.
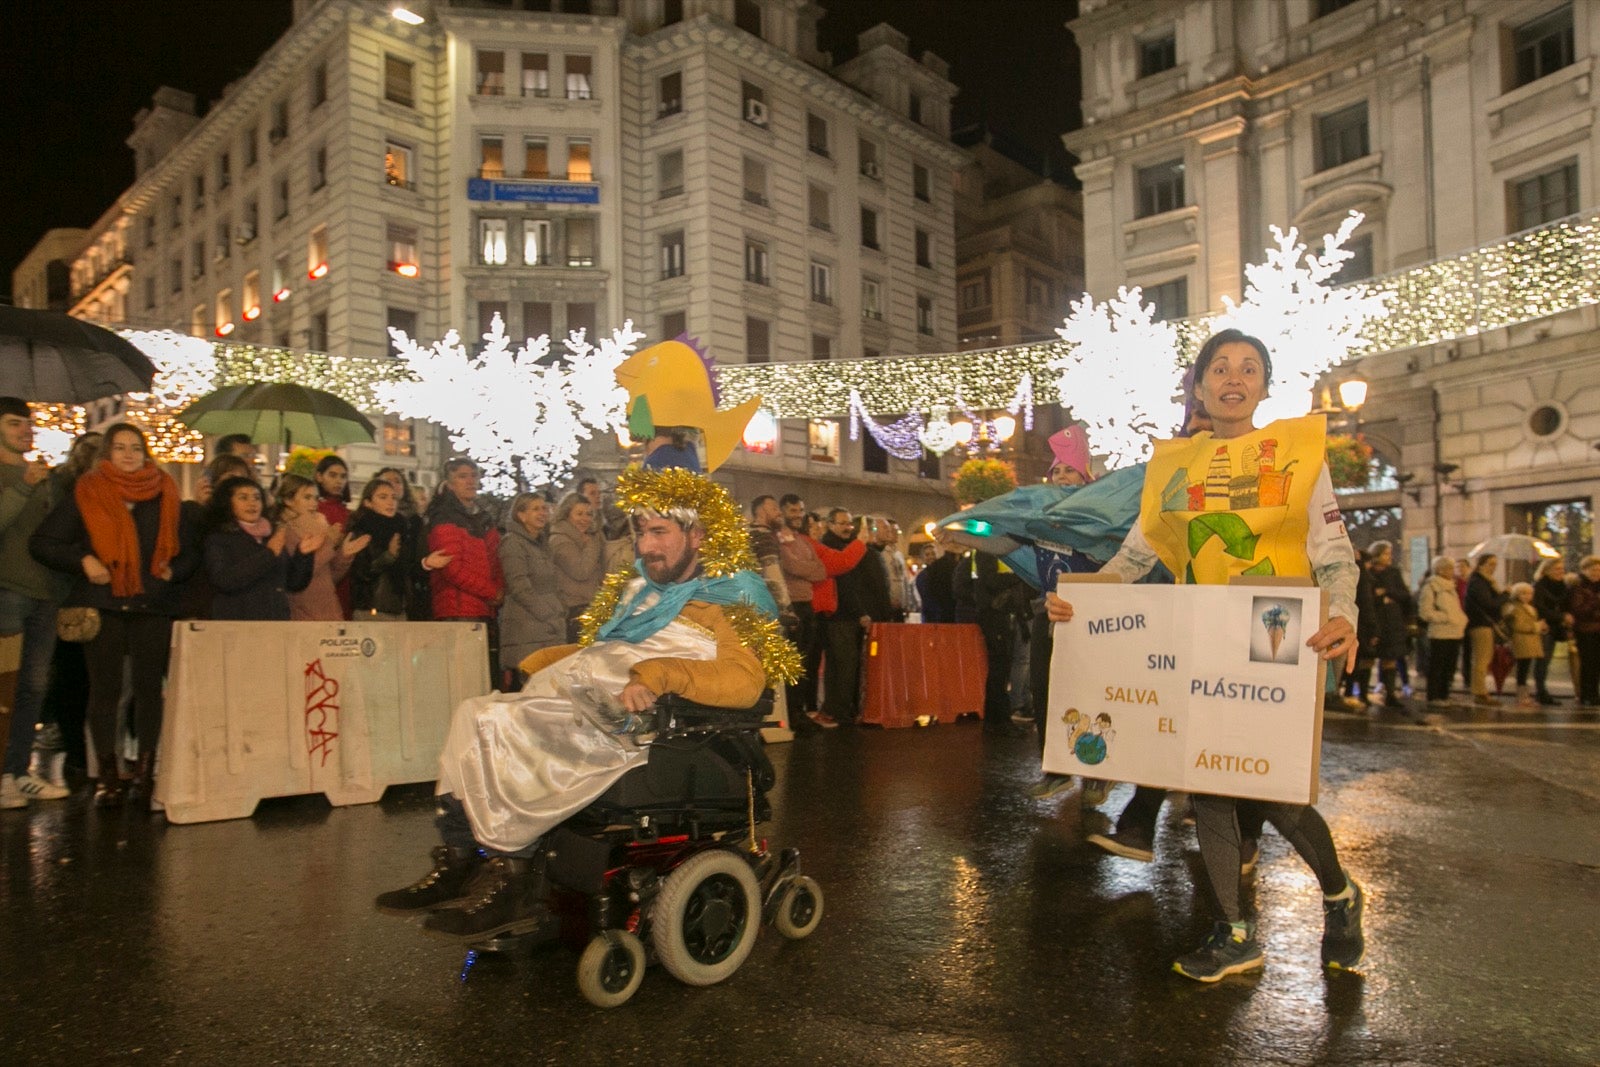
column 298, row 510
column 248, row 558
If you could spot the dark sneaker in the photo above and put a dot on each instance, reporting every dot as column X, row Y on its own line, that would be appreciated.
column 1249, row 853
column 1343, row 945
column 508, row 898
column 1050, row 785
column 1129, row 844
column 452, row 869
column 1224, row 953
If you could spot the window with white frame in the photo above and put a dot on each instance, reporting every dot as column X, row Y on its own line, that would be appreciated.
column 753, row 101
column 1160, row 188
column 397, row 81
column 669, row 173
column 871, row 299
column 669, row 94
column 819, row 208
column 869, row 228
column 580, row 162
column 403, row 249
column 397, row 168
column 755, row 262
column 817, row 134
column 757, row 340
column 491, row 73
column 1341, row 136
column 1542, row 46
column 869, row 159
column 538, row 243
column 535, row 74
column 492, row 242
column 536, row 158
column 317, row 253
column 491, row 157
column 821, row 283
column 579, row 69
column 755, row 181
column 1544, row 197
column 672, row 254
column 583, row 245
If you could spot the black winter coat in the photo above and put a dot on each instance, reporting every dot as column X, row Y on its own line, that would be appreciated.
column 864, row 588
column 1483, row 604
column 248, row 580
column 1552, row 599
column 62, row 540
column 1395, row 610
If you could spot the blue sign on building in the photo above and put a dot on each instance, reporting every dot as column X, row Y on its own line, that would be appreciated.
column 533, row 192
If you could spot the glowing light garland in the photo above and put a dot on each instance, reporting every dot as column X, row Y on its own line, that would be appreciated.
column 520, row 415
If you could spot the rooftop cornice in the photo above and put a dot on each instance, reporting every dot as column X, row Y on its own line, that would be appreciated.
column 475, row 20
column 710, row 31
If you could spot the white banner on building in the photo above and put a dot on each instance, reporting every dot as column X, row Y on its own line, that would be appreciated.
column 1204, row 688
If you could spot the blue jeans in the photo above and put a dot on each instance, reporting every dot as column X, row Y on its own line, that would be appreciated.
column 35, row 620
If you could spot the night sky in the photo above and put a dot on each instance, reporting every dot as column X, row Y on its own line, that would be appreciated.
column 76, row 71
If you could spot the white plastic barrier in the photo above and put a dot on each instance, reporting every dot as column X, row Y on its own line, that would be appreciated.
column 268, row 709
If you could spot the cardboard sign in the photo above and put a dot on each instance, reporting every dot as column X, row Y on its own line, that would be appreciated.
column 1204, row 688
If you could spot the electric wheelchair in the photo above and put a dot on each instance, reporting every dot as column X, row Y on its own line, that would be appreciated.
column 666, row 865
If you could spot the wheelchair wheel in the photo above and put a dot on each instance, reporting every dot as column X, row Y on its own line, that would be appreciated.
column 799, row 909
column 611, row 968
column 704, row 922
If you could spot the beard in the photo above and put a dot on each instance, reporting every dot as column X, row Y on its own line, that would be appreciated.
column 664, row 571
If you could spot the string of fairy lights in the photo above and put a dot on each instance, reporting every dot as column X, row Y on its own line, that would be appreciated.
column 1527, row 276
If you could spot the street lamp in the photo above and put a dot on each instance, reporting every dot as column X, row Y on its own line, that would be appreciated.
column 1353, row 393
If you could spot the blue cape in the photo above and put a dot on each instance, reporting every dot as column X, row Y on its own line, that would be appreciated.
column 1088, row 520
column 652, row 605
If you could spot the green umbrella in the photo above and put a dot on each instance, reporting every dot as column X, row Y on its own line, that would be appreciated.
column 278, row 411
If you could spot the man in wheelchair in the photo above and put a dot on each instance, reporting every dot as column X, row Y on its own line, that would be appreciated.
column 691, row 618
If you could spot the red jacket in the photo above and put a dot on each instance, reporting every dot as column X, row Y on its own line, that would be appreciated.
column 470, row 585
column 836, row 561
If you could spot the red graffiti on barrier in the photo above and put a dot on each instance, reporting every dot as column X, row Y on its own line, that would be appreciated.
column 322, row 702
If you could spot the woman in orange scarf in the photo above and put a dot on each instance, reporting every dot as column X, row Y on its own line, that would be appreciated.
column 121, row 536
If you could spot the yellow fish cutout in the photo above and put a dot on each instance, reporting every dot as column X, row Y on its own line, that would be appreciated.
column 1214, row 508
column 674, row 381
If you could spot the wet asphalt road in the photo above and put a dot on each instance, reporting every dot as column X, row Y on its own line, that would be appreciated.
column 965, row 924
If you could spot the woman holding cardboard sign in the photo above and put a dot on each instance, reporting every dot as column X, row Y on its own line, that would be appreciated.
column 1243, row 501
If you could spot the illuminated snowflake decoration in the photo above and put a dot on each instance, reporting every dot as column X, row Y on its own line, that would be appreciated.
column 186, row 367
column 521, row 414
column 1121, row 378
column 1306, row 323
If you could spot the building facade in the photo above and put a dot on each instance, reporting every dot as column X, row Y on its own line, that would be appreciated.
column 43, row 280
column 1451, row 125
column 694, row 165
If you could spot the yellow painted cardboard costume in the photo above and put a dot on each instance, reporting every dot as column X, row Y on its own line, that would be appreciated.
column 1212, row 509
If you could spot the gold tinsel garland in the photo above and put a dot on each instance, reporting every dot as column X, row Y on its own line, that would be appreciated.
column 725, row 551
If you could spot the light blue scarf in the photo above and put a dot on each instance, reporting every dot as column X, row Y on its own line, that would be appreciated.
column 652, row 605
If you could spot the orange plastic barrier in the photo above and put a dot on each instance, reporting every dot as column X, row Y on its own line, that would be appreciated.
column 913, row 669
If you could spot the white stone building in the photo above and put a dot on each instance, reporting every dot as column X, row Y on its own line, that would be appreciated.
column 695, row 165
column 1451, row 124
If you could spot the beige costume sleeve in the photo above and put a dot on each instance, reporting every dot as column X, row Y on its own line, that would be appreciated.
column 733, row 680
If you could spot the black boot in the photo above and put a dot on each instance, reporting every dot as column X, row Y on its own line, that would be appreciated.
column 452, row 869
column 109, row 791
column 1393, row 698
column 143, row 784
column 508, row 898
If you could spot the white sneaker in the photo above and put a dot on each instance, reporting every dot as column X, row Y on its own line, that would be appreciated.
column 17, row 790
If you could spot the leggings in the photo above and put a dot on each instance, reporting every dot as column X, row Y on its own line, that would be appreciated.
column 144, row 640
column 1217, row 827
column 1523, row 667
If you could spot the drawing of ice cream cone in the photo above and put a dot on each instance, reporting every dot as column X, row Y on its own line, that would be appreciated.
column 1276, row 620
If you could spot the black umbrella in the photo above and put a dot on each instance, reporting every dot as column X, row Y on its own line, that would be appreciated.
column 278, row 411
column 48, row 357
